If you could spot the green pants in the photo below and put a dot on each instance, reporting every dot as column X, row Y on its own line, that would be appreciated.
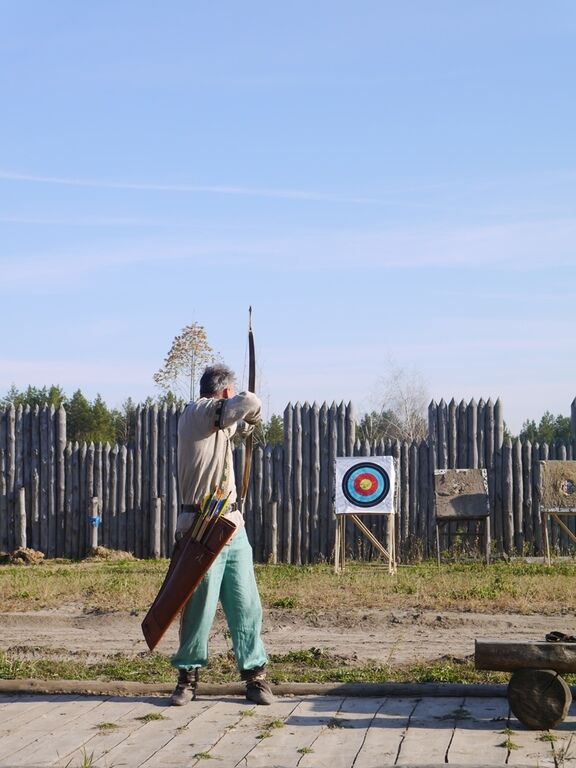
column 230, row 580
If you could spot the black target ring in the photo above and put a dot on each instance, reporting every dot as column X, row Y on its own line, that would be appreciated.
column 366, row 484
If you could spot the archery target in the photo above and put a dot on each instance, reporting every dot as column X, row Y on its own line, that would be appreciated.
column 365, row 485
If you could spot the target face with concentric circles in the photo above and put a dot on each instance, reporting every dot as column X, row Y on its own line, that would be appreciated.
column 366, row 484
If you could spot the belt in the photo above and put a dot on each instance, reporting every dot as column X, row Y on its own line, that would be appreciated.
column 195, row 508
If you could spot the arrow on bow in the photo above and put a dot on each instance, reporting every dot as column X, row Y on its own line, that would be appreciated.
column 251, row 388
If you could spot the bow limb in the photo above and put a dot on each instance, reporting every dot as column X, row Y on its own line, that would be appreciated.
column 251, row 388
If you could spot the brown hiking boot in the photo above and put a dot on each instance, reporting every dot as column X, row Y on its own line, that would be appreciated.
column 185, row 690
column 257, row 689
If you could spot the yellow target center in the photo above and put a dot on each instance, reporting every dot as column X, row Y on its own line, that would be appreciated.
column 365, row 484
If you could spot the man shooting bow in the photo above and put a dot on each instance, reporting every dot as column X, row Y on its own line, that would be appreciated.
column 205, row 466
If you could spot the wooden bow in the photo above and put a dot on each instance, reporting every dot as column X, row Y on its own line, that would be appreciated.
column 251, row 388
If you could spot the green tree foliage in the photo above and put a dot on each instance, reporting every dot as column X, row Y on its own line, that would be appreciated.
column 270, row 432
column 90, row 422
column 34, row 396
column 189, row 354
column 551, row 429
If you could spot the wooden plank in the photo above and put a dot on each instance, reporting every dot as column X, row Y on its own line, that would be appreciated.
column 99, row 743
column 28, row 743
column 508, row 655
column 528, row 747
column 300, row 731
column 138, row 740
column 238, row 741
column 385, row 733
column 60, row 448
column 159, row 743
column 62, row 742
column 479, row 724
column 430, row 731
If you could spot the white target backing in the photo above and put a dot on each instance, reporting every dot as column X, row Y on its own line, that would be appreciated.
column 364, row 485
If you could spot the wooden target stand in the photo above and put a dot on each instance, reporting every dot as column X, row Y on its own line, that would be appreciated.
column 557, row 491
column 538, row 696
column 555, row 513
column 340, row 541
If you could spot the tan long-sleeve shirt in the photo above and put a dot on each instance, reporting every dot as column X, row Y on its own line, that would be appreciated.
column 205, row 450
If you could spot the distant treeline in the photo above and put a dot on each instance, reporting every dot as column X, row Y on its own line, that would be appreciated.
column 92, row 421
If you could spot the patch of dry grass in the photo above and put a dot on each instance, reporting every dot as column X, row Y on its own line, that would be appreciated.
column 131, row 585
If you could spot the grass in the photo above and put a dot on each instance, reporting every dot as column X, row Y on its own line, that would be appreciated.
column 151, row 716
column 310, row 666
column 131, row 585
column 107, row 726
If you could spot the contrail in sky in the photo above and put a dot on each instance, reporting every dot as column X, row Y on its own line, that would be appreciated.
column 286, row 194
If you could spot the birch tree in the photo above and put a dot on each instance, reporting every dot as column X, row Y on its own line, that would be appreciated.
column 189, row 354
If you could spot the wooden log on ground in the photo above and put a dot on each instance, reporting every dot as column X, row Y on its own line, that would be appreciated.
column 510, row 655
column 539, row 698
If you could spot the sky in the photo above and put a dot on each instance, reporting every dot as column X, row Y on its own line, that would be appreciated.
column 390, row 185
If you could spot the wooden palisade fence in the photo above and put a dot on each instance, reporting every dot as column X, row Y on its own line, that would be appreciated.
column 51, row 488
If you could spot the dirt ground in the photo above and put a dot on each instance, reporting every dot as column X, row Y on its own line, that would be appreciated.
column 400, row 638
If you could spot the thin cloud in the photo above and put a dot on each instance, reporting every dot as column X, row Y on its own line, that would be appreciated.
column 288, row 194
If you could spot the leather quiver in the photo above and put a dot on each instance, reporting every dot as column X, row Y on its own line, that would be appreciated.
column 190, row 561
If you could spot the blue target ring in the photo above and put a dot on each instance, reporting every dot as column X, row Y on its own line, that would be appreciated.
column 366, row 484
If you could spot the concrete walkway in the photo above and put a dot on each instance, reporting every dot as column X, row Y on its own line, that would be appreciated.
column 77, row 731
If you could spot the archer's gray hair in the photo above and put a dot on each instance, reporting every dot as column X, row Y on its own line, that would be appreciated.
column 215, row 378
